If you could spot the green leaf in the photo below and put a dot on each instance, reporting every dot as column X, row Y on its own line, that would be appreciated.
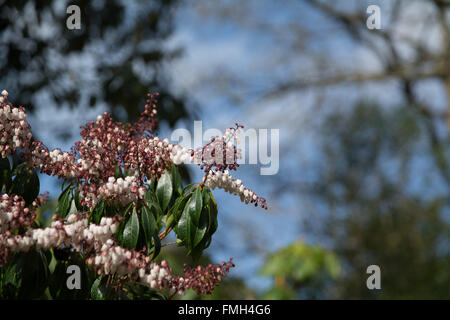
column 97, row 212
column 32, row 188
column 152, row 201
column 148, row 224
column 157, row 245
column 96, row 293
column 176, row 180
column 189, row 219
column 76, row 198
column 33, row 270
column 18, row 168
column 213, row 224
column 197, row 203
column 207, row 226
column 10, row 281
column 64, row 202
column 164, row 190
column 202, row 226
column 175, row 211
column 57, row 280
column 131, row 231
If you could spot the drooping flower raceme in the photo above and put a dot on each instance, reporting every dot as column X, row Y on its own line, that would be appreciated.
column 224, row 180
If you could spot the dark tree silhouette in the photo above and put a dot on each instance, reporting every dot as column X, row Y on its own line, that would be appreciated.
column 115, row 58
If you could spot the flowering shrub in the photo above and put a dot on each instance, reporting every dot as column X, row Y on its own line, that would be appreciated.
column 122, row 195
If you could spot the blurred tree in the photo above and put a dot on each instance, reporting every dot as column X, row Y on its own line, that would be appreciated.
column 380, row 189
column 114, row 59
column 385, row 207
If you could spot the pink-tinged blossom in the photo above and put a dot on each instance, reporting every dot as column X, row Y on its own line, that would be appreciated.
column 113, row 162
column 15, row 132
column 224, row 180
column 14, row 214
column 107, row 257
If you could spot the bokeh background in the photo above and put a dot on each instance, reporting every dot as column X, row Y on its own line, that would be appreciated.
column 364, row 120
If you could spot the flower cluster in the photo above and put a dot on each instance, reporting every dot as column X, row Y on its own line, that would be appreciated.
column 110, row 149
column 14, row 214
column 220, row 153
column 224, row 180
column 107, row 146
column 55, row 162
column 121, row 191
column 180, row 155
column 147, row 157
column 74, row 232
column 107, row 257
column 77, row 233
column 14, row 129
column 202, row 280
column 113, row 259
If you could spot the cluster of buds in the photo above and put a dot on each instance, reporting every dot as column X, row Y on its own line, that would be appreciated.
column 136, row 266
column 147, row 123
column 74, row 232
column 220, row 153
column 101, row 148
column 113, row 259
column 147, row 157
column 55, row 162
column 107, row 145
column 156, row 275
column 14, row 214
column 180, row 155
column 123, row 191
column 224, row 180
column 14, row 130
column 108, row 258
column 82, row 235
column 202, row 280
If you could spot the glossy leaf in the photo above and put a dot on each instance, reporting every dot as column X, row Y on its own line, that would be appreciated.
column 175, row 212
column 64, row 202
column 164, row 190
column 131, row 231
column 176, row 180
column 98, row 212
column 189, row 219
column 76, row 198
column 207, row 226
column 96, row 292
column 148, row 224
column 157, row 245
column 152, row 201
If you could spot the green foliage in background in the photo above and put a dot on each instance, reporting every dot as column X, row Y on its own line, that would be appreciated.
column 297, row 269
